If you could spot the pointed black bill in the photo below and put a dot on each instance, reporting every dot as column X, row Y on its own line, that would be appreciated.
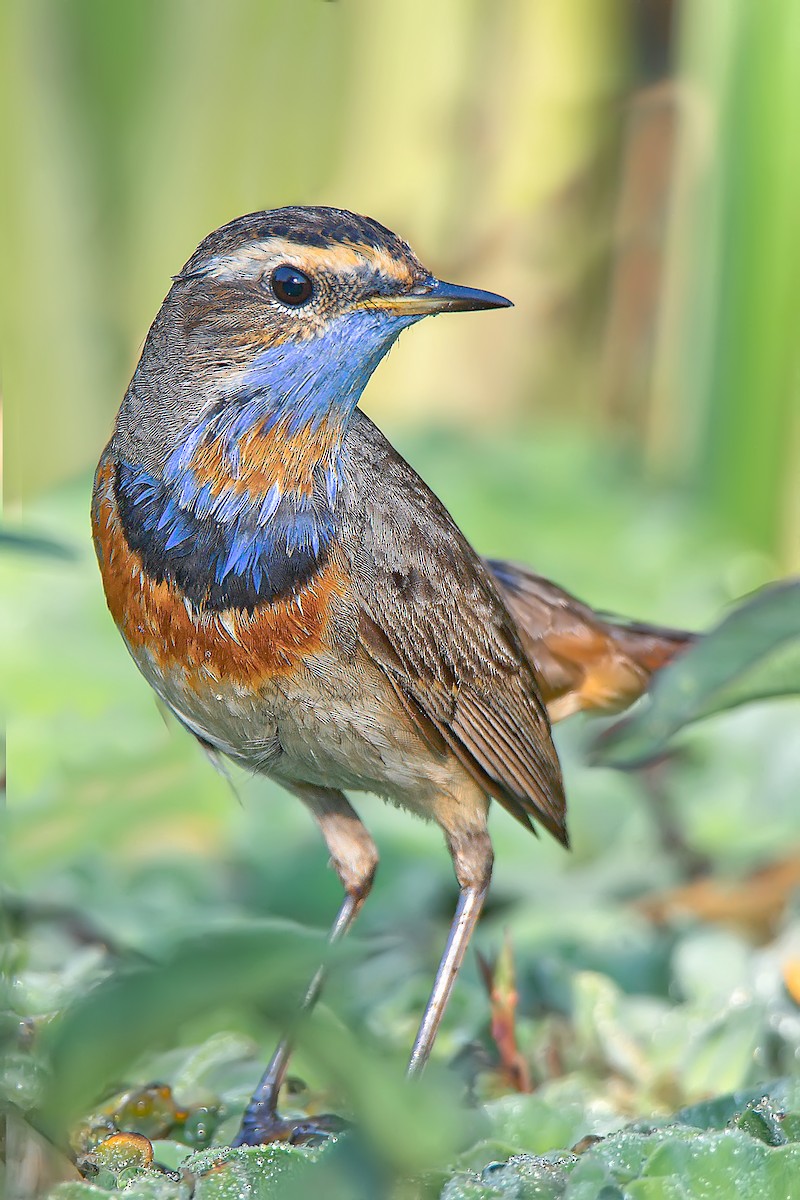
column 438, row 296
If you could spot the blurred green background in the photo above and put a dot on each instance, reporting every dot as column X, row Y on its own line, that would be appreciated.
column 629, row 174
column 626, row 170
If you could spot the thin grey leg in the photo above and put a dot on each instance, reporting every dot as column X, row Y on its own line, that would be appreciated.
column 472, row 859
column 355, row 859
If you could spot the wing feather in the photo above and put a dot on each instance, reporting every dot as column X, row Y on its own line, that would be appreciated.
column 433, row 620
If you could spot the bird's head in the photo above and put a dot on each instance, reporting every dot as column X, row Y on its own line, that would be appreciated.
column 285, row 314
column 229, row 441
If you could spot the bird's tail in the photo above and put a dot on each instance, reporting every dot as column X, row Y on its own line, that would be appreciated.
column 584, row 659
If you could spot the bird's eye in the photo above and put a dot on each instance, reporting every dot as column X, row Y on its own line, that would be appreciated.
column 291, row 286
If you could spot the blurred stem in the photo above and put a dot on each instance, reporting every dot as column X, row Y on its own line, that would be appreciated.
column 727, row 406
column 54, row 349
column 755, row 374
column 691, row 863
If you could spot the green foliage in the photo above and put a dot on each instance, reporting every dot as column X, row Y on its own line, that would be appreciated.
column 756, row 1152
column 126, row 844
column 101, row 1033
column 754, row 654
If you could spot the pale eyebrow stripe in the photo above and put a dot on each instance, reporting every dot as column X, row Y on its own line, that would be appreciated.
column 252, row 260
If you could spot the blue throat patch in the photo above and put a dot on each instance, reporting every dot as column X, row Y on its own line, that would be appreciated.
column 221, row 546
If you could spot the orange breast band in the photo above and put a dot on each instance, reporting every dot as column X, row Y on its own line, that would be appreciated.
column 245, row 648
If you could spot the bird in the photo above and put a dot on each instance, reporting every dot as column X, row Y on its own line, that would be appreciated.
column 303, row 602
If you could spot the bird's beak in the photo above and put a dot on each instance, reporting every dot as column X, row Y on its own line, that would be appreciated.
column 437, row 296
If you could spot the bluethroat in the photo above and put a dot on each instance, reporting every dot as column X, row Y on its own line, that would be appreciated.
column 303, row 602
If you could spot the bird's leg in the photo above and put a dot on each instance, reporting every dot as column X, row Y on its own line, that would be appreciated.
column 355, row 859
column 472, row 858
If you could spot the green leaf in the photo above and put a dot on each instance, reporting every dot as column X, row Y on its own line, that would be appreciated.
column 27, row 542
column 100, row 1034
column 719, row 1055
column 763, row 1120
column 753, row 654
column 523, row 1177
column 261, row 1172
column 720, row 1164
column 341, row 1169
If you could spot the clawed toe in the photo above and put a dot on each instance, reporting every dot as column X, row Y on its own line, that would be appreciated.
column 261, row 1127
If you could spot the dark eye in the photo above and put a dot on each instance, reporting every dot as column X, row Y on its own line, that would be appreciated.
column 291, row 286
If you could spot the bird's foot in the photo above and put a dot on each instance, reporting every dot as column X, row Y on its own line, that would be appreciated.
column 262, row 1124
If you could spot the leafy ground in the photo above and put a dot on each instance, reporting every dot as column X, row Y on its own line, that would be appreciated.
column 646, row 987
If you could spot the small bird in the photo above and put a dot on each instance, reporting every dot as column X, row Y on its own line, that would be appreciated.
column 303, row 602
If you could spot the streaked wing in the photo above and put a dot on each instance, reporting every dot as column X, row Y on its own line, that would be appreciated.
column 433, row 621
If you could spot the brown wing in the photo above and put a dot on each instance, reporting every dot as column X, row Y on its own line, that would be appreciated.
column 584, row 659
column 432, row 619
